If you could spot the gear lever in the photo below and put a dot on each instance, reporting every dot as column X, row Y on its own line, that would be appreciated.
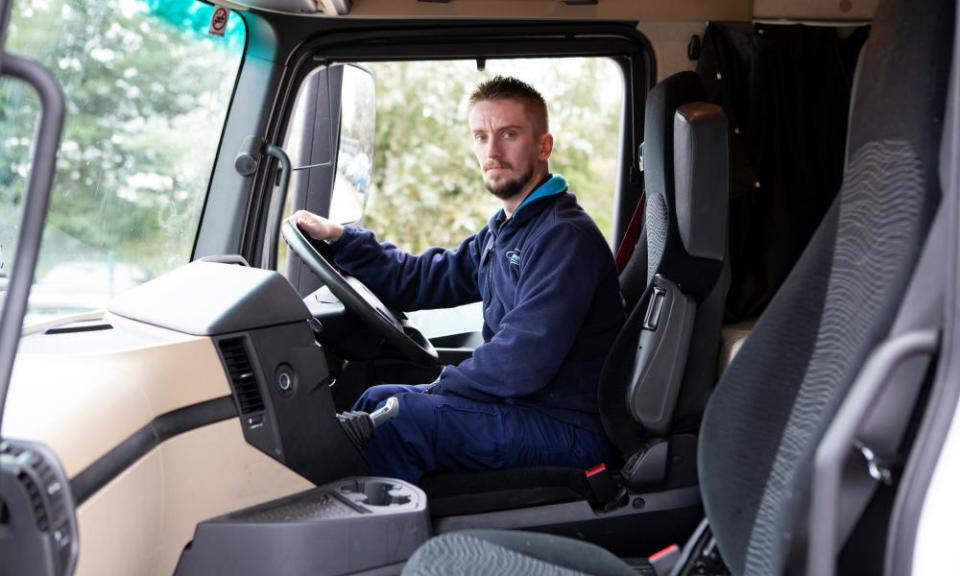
column 361, row 426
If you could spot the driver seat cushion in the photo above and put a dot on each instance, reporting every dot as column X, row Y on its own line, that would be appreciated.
column 453, row 494
column 500, row 552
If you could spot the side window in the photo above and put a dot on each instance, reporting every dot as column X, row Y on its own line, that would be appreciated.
column 426, row 188
column 18, row 123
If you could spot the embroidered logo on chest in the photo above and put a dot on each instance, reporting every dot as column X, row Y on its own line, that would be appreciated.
column 513, row 257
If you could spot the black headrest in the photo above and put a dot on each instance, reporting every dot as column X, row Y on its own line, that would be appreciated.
column 694, row 271
column 701, row 168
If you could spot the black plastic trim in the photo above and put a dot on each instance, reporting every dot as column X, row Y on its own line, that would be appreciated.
column 140, row 443
column 75, row 327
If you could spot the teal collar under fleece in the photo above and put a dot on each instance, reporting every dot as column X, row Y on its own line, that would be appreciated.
column 554, row 185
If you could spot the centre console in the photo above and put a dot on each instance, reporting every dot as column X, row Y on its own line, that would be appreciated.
column 352, row 526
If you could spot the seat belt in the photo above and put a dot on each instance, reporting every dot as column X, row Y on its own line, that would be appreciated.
column 630, row 237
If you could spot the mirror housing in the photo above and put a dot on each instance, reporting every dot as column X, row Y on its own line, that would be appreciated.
column 331, row 141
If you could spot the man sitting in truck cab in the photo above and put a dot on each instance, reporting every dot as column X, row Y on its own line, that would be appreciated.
column 551, row 307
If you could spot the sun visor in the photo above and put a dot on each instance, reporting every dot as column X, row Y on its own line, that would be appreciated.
column 701, row 178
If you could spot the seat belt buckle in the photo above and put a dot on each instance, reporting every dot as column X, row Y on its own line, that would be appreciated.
column 663, row 561
column 605, row 493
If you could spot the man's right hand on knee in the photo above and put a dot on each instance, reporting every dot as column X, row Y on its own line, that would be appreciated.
column 318, row 227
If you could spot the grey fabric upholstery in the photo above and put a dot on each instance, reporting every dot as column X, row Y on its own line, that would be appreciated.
column 752, row 401
column 657, row 228
column 879, row 231
column 498, row 552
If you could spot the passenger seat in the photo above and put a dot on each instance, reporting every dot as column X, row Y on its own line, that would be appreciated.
column 844, row 303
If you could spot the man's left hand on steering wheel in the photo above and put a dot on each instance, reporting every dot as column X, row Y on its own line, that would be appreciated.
column 350, row 291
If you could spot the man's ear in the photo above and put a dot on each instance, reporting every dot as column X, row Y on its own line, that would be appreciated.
column 546, row 146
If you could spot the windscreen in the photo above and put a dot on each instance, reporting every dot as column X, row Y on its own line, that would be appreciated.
column 148, row 84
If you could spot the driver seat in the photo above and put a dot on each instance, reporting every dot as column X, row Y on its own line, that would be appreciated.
column 663, row 362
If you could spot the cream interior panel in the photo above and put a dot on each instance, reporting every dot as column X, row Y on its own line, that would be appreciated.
column 603, row 10
column 120, row 526
column 669, row 41
column 140, row 521
column 830, row 10
column 82, row 394
column 733, row 337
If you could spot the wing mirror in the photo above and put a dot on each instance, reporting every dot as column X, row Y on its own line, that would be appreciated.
column 354, row 168
column 332, row 136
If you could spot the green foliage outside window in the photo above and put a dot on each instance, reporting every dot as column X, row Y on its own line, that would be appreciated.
column 427, row 189
column 147, row 91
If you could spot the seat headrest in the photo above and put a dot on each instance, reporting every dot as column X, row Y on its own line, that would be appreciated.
column 690, row 254
column 701, row 168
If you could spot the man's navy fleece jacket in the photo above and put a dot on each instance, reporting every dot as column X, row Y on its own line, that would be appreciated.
column 551, row 301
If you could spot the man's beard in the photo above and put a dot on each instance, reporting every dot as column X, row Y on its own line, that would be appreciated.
column 510, row 188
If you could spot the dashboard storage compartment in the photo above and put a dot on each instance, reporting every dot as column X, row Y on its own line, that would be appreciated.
column 344, row 527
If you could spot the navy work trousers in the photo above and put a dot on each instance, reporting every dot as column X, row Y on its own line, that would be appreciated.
column 436, row 432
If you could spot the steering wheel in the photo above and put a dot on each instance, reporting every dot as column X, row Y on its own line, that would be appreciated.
column 357, row 298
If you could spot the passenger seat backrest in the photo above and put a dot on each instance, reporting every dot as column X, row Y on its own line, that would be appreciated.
column 779, row 395
column 686, row 165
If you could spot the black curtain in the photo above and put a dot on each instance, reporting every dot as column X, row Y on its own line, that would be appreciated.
column 786, row 92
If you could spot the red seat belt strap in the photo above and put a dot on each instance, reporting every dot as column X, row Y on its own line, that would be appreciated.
column 629, row 242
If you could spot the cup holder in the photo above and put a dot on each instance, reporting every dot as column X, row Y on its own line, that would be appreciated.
column 375, row 492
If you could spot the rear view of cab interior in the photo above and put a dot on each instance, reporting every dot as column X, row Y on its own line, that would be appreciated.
column 776, row 181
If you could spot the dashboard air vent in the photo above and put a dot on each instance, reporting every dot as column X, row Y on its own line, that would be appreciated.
column 33, row 487
column 36, row 500
column 81, row 326
column 48, row 479
column 241, row 374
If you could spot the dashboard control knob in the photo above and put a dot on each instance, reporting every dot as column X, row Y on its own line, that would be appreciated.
column 285, row 380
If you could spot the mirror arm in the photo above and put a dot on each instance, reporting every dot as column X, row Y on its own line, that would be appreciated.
column 309, row 166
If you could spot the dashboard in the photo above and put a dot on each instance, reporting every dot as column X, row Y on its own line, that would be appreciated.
column 199, row 393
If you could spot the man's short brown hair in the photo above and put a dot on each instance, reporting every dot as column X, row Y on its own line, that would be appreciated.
column 508, row 88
